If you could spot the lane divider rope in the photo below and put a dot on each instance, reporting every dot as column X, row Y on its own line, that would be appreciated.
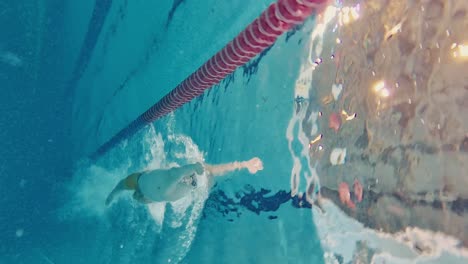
column 278, row 18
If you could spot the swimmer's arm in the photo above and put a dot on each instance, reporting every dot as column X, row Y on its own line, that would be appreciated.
column 221, row 169
column 252, row 166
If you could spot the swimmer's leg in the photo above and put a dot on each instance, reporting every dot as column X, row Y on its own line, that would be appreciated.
column 129, row 183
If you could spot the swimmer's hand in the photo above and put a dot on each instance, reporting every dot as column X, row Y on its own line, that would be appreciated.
column 253, row 165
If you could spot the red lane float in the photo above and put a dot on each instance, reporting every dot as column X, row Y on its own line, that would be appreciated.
column 259, row 35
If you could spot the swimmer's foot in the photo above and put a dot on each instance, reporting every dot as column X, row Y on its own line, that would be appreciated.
column 109, row 199
column 253, row 165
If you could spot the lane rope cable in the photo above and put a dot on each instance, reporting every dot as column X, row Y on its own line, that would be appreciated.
column 278, row 18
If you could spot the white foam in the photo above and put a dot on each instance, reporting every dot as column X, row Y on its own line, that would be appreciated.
column 89, row 188
column 157, row 211
column 11, row 59
column 339, row 235
column 190, row 206
column 179, row 208
column 92, row 183
column 156, row 157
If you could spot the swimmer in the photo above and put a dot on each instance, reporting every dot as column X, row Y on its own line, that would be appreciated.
column 168, row 185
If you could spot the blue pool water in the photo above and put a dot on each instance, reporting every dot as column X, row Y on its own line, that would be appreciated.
column 74, row 73
column 90, row 80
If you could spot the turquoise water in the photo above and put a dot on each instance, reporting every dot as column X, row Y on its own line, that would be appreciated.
column 349, row 111
column 79, row 83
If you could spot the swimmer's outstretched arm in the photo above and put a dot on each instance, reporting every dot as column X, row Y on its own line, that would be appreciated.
column 252, row 165
column 127, row 184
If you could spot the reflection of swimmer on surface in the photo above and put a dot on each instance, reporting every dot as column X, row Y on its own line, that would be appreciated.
column 168, row 185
